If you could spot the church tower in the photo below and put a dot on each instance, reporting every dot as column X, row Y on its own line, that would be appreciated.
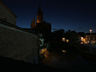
column 39, row 16
column 33, row 25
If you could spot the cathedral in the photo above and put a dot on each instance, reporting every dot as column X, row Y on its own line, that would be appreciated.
column 39, row 25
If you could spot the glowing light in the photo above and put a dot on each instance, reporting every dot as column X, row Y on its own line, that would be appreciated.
column 63, row 39
column 83, row 40
column 38, row 20
column 82, row 43
column 42, row 51
column 67, row 40
column 90, row 30
column 64, row 51
column 46, row 54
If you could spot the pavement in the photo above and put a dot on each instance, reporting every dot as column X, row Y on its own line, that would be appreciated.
column 64, row 61
column 57, row 64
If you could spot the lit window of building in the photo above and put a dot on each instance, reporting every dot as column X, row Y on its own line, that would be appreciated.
column 67, row 40
column 63, row 39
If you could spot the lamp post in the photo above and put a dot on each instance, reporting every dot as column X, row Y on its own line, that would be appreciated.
column 90, row 50
column 90, row 34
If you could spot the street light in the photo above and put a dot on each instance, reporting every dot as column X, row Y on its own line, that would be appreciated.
column 90, row 31
column 90, row 34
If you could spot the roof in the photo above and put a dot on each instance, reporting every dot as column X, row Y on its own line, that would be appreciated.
column 8, row 24
column 1, row 2
column 91, row 33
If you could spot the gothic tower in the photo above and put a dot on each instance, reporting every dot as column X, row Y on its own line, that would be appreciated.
column 40, row 12
column 39, row 16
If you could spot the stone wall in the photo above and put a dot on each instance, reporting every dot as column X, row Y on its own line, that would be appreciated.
column 18, row 45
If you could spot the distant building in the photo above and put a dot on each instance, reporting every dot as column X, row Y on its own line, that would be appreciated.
column 40, row 26
column 56, row 35
column 39, row 16
column 43, row 27
column 89, row 39
column 6, row 15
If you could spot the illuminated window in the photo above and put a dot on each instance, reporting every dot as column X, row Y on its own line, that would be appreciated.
column 67, row 40
column 64, row 51
column 63, row 39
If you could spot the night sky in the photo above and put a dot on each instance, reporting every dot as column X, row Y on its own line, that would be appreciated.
column 62, row 14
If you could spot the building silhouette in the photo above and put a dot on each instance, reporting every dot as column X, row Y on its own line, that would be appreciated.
column 39, row 25
column 89, row 39
column 6, row 15
column 39, row 16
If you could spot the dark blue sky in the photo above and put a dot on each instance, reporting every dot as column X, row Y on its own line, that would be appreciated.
column 62, row 14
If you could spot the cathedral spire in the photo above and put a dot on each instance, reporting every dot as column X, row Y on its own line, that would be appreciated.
column 39, row 13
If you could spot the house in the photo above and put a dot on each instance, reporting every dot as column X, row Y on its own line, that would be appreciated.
column 89, row 38
column 7, row 17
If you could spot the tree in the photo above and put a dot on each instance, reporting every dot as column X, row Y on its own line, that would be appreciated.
column 55, row 41
column 73, row 37
column 82, row 34
column 74, row 42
